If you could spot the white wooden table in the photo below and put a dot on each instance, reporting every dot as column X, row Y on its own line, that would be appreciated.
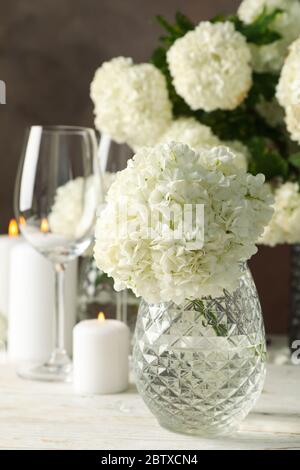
column 36, row 415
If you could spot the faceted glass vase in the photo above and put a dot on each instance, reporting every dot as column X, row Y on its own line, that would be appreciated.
column 200, row 366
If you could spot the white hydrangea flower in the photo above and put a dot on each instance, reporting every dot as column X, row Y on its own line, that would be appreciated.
column 284, row 226
column 191, row 132
column 196, row 135
column 292, row 120
column 288, row 90
column 270, row 57
column 240, row 152
column 131, row 102
column 67, row 208
column 210, row 66
column 163, row 267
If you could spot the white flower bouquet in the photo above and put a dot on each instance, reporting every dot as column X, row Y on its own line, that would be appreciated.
column 139, row 247
column 233, row 80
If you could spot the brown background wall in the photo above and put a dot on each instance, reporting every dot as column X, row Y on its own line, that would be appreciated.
column 49, row 51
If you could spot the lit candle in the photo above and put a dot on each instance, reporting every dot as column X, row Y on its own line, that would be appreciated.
column 44, row 227
column 7, row 242
column 100, row 356
column 31, row 305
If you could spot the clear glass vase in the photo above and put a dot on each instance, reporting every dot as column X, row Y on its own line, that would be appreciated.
column 200, row 367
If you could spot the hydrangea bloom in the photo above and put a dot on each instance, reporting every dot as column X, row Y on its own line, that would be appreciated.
column 163, row 267
column 284, row 226
column 288, row 90
column 191, row 132
column 131, row 102
column 210, row 66
column 270, row 57
column 292, row 120
column 196, row 135
column 240, row 153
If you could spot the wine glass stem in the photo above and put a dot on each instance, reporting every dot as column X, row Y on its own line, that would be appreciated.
column 59, row 307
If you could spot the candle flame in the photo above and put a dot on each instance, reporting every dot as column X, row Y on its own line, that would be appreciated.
column 101, row 316
column 44, row 227
column 13, row 229
column 22, row 220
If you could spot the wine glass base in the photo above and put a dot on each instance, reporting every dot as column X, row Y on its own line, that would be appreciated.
column 46, row 372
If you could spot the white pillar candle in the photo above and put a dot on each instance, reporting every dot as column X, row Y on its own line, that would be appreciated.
column 32, row 305
column 100, row 356
column 7, row 242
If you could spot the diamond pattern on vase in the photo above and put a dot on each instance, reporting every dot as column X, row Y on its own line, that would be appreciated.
column 200, row 368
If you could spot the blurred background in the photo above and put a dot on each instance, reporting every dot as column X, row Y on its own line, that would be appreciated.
column 48, row 54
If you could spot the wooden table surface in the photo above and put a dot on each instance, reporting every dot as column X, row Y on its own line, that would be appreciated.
column 37, row 415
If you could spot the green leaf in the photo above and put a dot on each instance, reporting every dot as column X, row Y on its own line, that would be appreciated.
column 175, row 31
column 258, row 32
column 294, row 159
column 167, row 26
column 241, row 123
column 103, row 278
column 266, row 159
column 264, row 86
column 221, row 18
column 159, row 59
column 184, row 22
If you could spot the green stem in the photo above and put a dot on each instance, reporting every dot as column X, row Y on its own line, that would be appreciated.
column 209, row 316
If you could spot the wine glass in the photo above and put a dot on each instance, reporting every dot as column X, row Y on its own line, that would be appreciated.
column 57, row 191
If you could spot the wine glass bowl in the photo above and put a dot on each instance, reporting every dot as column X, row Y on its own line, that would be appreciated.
column 56, row 196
